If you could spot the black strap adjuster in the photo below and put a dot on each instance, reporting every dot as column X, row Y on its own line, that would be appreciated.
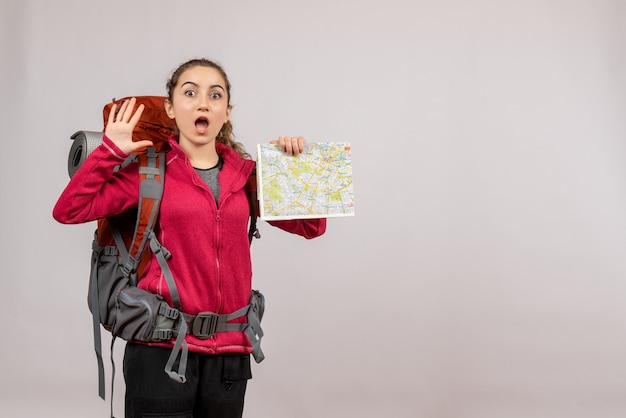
column 204, row 325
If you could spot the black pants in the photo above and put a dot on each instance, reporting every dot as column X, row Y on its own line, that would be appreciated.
column 215, row 387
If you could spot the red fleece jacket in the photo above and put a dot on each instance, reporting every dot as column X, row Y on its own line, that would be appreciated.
column 210, row 259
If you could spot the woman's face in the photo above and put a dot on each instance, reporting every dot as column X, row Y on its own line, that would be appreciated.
column 199, row 105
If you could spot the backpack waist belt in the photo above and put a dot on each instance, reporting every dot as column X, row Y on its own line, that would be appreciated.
column 204, row 325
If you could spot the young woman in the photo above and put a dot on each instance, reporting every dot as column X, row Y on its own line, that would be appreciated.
column 203, row 223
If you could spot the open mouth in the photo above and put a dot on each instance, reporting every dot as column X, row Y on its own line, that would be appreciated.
column 202, row 123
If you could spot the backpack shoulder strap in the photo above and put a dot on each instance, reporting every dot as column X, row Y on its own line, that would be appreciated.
column 151, row 176
column 251, row 189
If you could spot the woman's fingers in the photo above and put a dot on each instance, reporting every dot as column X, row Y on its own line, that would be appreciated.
column 287, row 145
column 300, row 141
column 125, row 112
column 292, row 145
column 121, row 122
column 120, row 111
column 137, row 115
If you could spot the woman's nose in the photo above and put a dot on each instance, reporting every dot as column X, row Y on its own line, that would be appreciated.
column 203, row 104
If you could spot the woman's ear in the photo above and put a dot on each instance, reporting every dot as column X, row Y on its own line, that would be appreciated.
column 169, row 109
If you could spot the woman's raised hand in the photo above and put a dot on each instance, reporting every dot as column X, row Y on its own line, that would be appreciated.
column 120, row 126
column 292, row 145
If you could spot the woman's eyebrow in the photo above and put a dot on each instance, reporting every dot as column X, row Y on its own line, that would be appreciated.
column 189, row 82
column 196, row 85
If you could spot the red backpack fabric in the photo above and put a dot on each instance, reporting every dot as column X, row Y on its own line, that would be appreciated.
column 154, row 124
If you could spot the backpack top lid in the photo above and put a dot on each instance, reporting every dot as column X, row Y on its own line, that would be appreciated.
column 154, row 124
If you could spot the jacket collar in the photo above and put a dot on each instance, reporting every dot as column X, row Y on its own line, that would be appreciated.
column 235, row 171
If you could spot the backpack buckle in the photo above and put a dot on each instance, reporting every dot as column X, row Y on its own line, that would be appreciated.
column 204, row 325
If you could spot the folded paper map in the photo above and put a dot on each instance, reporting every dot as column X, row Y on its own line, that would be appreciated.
column 314, row 184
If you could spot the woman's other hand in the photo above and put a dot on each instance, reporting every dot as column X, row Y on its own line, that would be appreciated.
column 292, row 145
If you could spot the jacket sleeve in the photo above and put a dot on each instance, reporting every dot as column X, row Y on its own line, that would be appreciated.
column 308, row 228
column 96, row 190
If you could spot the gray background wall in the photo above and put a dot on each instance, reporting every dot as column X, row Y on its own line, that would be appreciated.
column 483, row 274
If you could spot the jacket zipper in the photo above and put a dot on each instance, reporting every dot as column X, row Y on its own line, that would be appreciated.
column 218, row 231
column 218, row 217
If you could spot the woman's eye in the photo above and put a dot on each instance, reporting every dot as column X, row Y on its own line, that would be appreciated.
column 190, row 93
column 215, row 95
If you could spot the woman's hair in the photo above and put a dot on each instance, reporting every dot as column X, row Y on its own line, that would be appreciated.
column 225, row 136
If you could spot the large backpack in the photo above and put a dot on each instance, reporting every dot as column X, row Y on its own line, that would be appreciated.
column 124, row 243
